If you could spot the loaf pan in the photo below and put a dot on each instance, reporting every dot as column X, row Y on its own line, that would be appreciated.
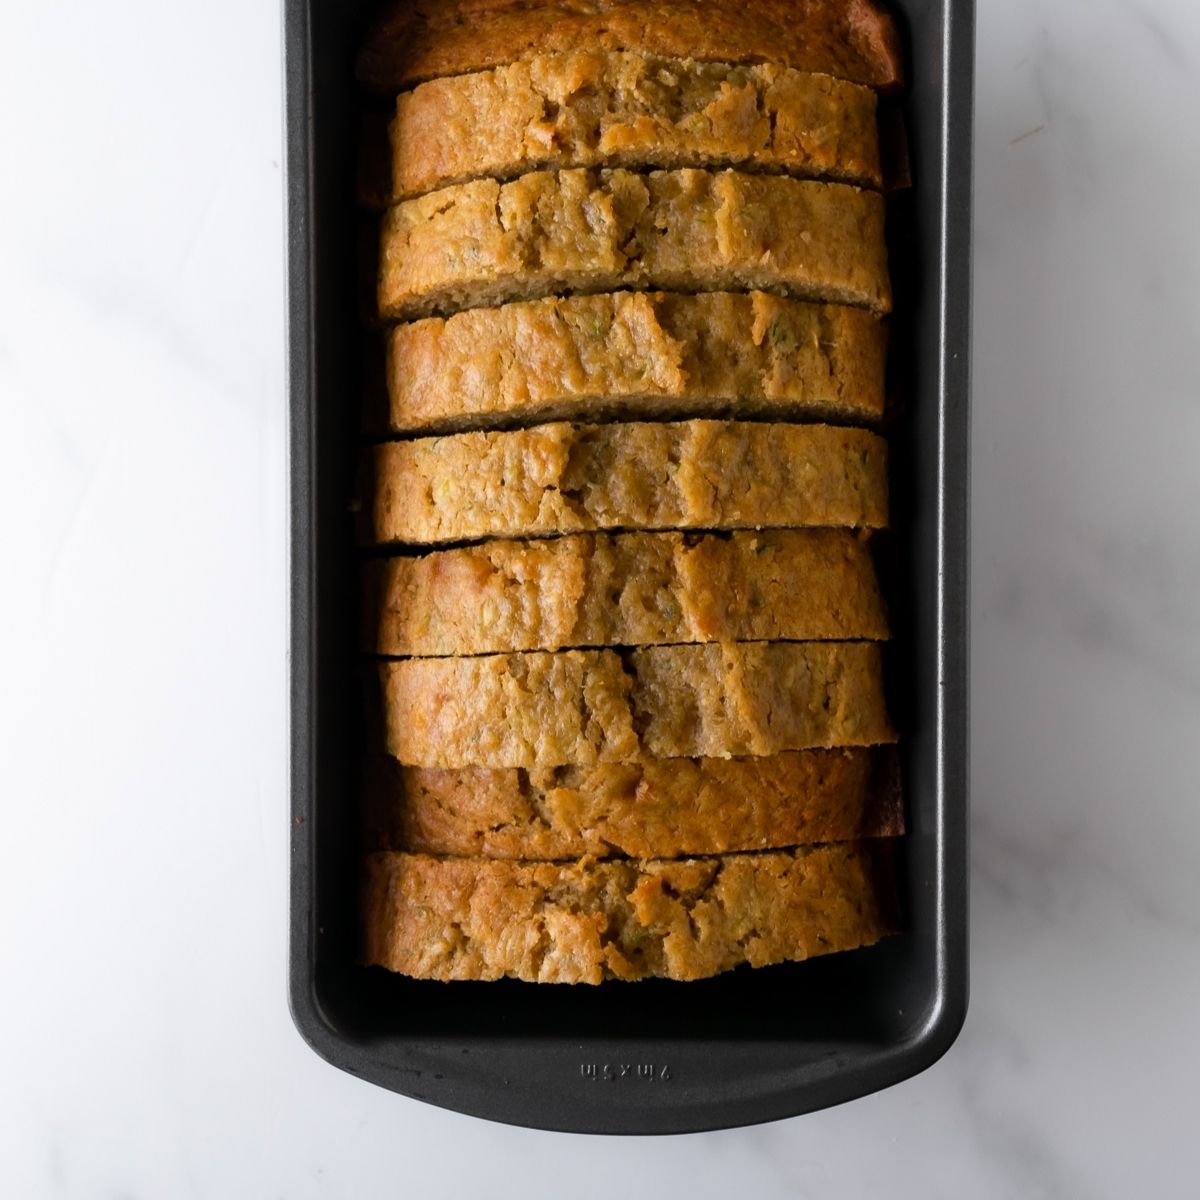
column 650, row 1057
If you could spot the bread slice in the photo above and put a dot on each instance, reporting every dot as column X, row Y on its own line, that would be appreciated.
column 657, row 808
column 636, row 354
column 586, row 921
column 415, row 40
column 630, row 589
column 487, row 242
column 682, row 475
column 592, row 706
column 587, row 109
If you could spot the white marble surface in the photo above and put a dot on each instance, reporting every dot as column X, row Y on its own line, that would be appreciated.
column 146, row 1046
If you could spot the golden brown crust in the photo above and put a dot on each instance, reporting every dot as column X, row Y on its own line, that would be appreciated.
column 632, row 589
column 658, row 808
column 631, row 354
column 423, row 39
column 583, row 922
column 574, row 478
column 592, row 706
column 486, row 242
column 589, row 108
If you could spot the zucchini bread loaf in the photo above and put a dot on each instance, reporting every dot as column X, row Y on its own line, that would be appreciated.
column 636, row 354
column 620, row 590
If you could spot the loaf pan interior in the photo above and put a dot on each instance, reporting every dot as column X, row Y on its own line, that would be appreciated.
column 656, row 1056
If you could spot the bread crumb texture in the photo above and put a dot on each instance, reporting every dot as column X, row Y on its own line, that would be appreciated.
column 589, row 108
column 487, row 242
column 562, row 478
column 657, row 808
column 630, row 354
column 592, row 706
column 587, row 921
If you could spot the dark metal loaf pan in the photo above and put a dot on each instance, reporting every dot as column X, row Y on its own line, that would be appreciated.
column 651, row 1057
